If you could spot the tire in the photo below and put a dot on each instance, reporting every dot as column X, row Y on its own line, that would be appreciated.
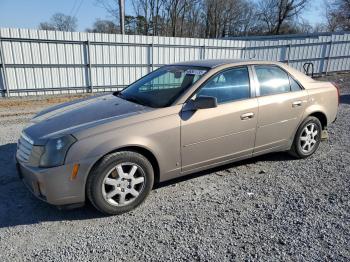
column 120, row 182
column 307, row 141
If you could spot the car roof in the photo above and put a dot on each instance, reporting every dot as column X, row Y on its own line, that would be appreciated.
column 212, row 63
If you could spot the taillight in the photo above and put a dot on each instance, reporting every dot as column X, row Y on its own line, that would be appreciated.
column 338, row 90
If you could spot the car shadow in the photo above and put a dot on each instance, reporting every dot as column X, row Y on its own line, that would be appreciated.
column 19, row 207
column 279, row 156
column 345, row 99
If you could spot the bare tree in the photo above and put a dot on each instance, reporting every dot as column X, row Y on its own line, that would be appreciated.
column 228, row 18
column 211, row 18
column 214, row 21
column 155, row 8
column 319, row 27
column 46, row 26
column 338, row 15
column 193, row 26
column 241, row 18
column 166, row 17
column 303, row 26
column 60, row 22
column 276, row 13
column 175, row 12
column 142, row 10
column 104, row 26
column 248, row 19
column 112, row 7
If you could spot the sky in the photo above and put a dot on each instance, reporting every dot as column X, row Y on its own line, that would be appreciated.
column 29, row 13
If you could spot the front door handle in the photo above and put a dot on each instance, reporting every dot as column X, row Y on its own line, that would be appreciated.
column 247, row 116
column 296, row 103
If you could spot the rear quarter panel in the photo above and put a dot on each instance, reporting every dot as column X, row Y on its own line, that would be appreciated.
column 323, row 97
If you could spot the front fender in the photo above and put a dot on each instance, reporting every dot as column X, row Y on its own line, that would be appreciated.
column 100, row 146
column 159, row 136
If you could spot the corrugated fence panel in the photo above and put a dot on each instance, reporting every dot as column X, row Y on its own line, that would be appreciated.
column 48, row 62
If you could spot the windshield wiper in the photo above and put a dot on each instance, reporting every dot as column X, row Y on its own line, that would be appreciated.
column 118, row 94
column 131, row 99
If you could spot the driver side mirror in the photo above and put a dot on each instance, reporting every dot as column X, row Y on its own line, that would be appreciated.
column 203, row 102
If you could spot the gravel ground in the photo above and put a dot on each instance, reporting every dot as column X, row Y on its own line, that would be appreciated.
column 268, row 208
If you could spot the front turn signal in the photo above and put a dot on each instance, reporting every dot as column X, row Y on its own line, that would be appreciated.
column 74, row 172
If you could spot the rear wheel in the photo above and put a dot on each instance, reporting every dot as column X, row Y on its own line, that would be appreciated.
column 120, row 182
column 307, row 138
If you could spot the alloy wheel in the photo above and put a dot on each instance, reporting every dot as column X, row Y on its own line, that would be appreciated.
column 123, row 184
column 309, row 137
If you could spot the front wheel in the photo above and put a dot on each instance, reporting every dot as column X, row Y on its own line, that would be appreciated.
column 307, row 138
column 120, row 182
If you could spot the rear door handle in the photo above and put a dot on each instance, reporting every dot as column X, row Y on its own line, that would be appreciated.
column 247, row 116
column 296, row 103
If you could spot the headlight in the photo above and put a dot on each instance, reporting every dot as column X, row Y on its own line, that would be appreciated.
column 55, row 151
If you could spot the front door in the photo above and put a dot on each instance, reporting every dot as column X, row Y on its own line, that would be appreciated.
column 223, row 133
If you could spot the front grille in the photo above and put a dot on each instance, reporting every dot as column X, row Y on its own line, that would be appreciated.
column 24, row 148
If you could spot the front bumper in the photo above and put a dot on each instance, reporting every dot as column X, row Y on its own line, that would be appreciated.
column 55, row 185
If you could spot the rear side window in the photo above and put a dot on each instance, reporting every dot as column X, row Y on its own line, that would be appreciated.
column 272, row 80
column 294, row 86
column 229, row 85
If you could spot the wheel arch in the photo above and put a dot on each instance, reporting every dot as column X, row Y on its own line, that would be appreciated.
column 316, row 113
column 148, row 154
column 320, row 116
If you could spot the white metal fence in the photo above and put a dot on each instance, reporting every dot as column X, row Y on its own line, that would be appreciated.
column 47, row 62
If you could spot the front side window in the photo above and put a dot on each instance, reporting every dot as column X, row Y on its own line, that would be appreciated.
column 272, row 80
column 228, row 86
column 163, row 86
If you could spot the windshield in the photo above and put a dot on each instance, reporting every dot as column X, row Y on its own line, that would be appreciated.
column 163, row 86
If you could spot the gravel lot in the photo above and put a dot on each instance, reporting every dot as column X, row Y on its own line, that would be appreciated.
column 268, row 208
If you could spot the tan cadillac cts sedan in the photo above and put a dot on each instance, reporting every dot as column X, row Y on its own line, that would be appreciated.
column 111, row 149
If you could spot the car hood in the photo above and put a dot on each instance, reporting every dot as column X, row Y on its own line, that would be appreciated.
column 74, row 116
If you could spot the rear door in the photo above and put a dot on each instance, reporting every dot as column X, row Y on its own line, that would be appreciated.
column 282, row 102
column 226, row 132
